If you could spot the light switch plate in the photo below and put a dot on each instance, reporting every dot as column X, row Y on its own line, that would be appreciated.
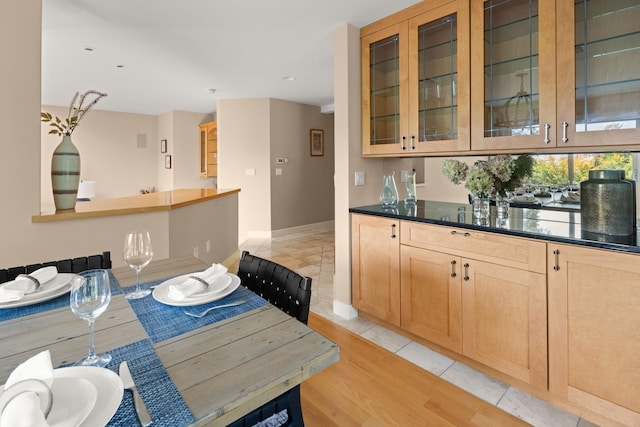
column 359, row 178
column 278, row 171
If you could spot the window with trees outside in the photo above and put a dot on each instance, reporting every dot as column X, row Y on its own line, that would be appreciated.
column 558, row 169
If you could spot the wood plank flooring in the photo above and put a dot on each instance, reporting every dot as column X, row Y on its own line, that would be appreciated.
column 371, row 386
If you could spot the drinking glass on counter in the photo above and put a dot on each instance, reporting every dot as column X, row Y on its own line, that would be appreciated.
column 137, row 254
column 89, row 298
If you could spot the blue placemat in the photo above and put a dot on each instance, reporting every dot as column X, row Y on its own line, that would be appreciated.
column 52, row 304
column 162, row 321
column 158, row 392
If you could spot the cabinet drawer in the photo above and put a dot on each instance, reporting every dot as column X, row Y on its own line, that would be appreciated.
column 514, row 252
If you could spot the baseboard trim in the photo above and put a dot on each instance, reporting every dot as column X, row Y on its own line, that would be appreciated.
column 303, row 228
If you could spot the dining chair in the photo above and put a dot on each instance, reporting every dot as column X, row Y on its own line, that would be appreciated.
column 291, row 293
column 71, row 265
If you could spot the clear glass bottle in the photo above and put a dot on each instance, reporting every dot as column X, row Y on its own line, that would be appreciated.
column 410, row 185
column 389, row 191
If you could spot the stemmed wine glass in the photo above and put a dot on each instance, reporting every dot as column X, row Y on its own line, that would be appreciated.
column 138, row 253
column 90, row 296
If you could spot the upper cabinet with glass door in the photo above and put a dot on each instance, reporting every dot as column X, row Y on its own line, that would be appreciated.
column 599, row 71
column 555, row 74
column 415, row 82
column 513, row 71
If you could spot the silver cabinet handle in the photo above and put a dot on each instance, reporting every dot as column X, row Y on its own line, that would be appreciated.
column 556, row 263
column 455, row 233
column 413, row 145
column 547, row 126
column 466, row 271
column 402, row 143
column 453, row 268
column 565, row 125
column 393, row 231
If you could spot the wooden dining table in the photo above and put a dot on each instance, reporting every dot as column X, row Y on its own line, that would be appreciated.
column 201, row 375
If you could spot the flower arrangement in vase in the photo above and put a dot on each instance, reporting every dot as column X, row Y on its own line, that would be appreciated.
column 497, row 176
column 65, row 163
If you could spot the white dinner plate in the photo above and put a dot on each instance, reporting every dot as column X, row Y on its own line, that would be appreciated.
column 161, row 292
column 59, row 285
column 109, row 390
column 73, row 401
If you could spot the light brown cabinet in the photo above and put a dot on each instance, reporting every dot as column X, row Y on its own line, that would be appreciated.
column 209, row 149
column 376, row 267
column 552, row 74
column 458, row 292
column 415, row 82
column 492, row 77
column 594, row 330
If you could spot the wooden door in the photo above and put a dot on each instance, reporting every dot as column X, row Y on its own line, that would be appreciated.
column 513, row 75
column 430, row 296
column 594, row 330
column 598, row 73
column 504, row 318
column 375, row 267
column 384, row 91
column 439, row 79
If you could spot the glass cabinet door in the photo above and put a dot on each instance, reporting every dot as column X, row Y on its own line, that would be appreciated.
column 384, row 75
column 438, row 105
column 513, row 88
column 605, row 78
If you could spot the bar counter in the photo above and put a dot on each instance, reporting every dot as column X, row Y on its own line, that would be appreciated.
column 542, row 224
column 143, row 203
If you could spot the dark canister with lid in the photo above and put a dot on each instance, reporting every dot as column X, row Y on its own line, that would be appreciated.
column 608, row 207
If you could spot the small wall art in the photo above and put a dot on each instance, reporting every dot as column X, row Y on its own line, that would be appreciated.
column 167, row 161
column 317, row 142
column 163, row 146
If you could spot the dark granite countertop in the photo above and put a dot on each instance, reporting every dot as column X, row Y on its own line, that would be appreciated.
column 542, row 224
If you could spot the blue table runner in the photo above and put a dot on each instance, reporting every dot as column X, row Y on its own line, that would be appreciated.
column 161, row 321
column 165, row 405
column 52, row 304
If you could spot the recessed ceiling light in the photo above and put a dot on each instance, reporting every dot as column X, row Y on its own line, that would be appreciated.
column 288, row 78
column 88, row 49
column 119, row 66
column 211, row 91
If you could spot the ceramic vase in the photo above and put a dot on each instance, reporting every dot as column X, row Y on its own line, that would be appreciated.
column 65, row 174
column 389, row 191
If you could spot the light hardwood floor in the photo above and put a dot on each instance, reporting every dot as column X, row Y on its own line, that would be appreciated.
column 311, row 253
column 371, row 386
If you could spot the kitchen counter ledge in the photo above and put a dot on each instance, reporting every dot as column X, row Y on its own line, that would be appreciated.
column 541, row 224
column 143, row 203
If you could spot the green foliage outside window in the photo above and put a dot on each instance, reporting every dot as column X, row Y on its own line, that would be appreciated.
column 554, row 169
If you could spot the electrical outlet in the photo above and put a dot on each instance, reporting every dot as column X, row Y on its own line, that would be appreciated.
column 196, row 252
column 208, row 245
column 359, row 178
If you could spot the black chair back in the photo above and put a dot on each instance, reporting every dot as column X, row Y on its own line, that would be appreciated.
column 73, row 265
column 282, row 287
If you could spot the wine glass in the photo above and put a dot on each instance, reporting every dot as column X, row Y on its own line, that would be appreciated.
column 90, row 296
column 138, row 254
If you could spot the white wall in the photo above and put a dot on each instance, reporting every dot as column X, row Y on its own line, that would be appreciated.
column 243, row 145
column 252, row 133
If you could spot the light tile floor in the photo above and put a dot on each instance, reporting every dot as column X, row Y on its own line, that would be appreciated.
column 311, row 253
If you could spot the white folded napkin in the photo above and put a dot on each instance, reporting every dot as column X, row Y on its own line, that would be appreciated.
column 197, row 282
column 16, row 289
column 25, row 408
column 571, row 197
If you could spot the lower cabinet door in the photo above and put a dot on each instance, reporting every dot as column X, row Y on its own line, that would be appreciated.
column 430, row 296
column 376, row 267
column 504, row 317
column 594, row 330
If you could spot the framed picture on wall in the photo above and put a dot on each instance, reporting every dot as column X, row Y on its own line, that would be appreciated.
column 167, row 161
column 317, row 142
column 163, row 146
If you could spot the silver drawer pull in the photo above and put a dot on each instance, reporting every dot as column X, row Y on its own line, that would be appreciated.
column 393, row 231
column 466, row 271
column 455, row 233
column 556, row 263
column 453, row 268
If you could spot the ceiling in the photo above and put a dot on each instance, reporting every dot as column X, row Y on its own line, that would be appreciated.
column 154, row 56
